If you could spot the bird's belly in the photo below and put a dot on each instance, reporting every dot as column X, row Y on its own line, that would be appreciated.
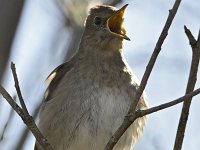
column 86, row 120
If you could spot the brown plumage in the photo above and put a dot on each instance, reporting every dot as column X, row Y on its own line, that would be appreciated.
column 88, row 96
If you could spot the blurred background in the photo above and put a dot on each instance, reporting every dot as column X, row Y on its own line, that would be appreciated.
column 39, row 35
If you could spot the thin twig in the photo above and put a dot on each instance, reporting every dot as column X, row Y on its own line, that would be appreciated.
column 185, row 98
column 126, row 123
column 141, row 113
column 21, row 100
column 27, row 119
column 26, row 131
column 190, row 87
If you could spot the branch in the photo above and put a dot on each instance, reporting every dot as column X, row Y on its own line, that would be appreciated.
column 195, row 45
column 27, row 119
column 21, row 100
column 126, row 123
column 141, row 113
column 26, row 131
column 185, row 98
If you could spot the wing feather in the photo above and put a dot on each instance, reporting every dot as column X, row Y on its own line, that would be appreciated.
column 54, row 78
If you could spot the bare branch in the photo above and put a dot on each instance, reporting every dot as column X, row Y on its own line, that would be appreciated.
column 26, row 131
column 27, row 119
column 11, row 101
column 190, row 37
column 126, row 123
column 141, row 113
column 187, row 97
column 21, row 100
column 190, row 87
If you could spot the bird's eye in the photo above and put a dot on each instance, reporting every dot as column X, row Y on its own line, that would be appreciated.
column 97, row 20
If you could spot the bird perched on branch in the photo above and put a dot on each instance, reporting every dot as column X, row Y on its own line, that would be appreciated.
column 88, row 96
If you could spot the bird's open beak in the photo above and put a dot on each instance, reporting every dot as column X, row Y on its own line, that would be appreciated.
column 115, row 23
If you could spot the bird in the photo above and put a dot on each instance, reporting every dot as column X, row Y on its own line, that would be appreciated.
column 88, row 96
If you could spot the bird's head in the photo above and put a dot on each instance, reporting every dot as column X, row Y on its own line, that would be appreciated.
column 105, row 24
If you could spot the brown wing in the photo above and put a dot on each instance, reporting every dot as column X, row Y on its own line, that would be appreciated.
column 54, row 78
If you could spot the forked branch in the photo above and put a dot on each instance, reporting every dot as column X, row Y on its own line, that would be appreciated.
column 195, row 45
column 23, row 112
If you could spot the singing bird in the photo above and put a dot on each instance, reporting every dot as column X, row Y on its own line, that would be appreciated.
column 88, row 96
